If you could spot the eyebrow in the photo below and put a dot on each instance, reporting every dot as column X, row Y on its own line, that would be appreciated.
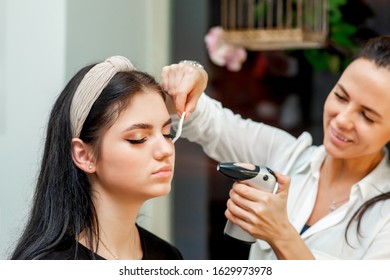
column 364, row 107
column 146, row 125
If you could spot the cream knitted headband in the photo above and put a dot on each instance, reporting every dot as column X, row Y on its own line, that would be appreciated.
column 92, row 86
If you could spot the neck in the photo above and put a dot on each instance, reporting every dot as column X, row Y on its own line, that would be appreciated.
column 350, row 169
column 118, row 235
column 339, row 175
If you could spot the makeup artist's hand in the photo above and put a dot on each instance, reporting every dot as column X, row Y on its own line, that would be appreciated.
column 262, row 214
column 184, row 83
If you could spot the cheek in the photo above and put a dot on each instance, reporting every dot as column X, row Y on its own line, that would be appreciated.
column 329, row 106
column 120, row 164
column 128, row 162
column 374, row 138
column 328, row 112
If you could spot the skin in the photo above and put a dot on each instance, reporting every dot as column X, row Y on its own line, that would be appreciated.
column 356, row 128
column 136, row 163
column 136, row 159
column 184, row 84
column 356, row 125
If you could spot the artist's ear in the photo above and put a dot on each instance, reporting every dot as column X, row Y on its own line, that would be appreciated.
column 82, row 156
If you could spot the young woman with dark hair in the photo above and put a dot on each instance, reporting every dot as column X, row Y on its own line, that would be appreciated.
column 108, row 149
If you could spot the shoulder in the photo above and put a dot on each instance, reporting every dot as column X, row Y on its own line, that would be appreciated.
column 70, row 249
column 155, row 248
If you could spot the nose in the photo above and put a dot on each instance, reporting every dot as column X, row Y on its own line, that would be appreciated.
column 164, row 148
column 345, row 119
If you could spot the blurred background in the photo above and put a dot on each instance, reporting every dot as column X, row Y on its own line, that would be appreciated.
column 44, row 42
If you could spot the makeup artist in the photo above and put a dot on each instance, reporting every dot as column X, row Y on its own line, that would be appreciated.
column 338, row 205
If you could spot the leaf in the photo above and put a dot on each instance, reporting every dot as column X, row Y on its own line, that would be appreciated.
column 334, row 63
column 335, row 17
column 341, row 34
column 317, row 58
column 336, row 3
column 344, row 28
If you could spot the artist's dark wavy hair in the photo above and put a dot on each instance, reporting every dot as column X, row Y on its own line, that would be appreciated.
column 376, row 50
column 62, row 206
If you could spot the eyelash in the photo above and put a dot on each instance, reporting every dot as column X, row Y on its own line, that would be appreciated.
column 340, row 97
column 170, row 136
column 363, row 114
column 140, row 141
column 367, row 118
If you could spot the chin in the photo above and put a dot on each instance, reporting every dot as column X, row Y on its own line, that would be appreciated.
column 166, row 191
column 162, row 190
column 340, row 154
column 332, row 151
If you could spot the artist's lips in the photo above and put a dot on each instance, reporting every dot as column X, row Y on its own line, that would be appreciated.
column 339, row 137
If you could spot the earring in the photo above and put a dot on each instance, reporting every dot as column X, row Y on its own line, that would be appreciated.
column 90, row 166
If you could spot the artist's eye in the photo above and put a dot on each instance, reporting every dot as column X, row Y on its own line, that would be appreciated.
column 368, row 119
column 137, row 141
column 340, row 97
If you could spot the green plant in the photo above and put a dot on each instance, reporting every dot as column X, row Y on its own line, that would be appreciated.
column 341, row 45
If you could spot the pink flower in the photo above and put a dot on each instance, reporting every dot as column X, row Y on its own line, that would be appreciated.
column 222, row 53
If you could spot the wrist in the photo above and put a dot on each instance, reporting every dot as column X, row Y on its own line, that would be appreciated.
column 285, row 236
column 290, row 246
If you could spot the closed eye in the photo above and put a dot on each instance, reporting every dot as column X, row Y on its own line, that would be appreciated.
column 367, row 118
column 340, row 97
column 170, row 136
column 137, row 141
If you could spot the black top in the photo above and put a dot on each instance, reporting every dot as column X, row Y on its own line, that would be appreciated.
column 153, row 247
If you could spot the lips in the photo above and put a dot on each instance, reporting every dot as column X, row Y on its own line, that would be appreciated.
column 339, row 136
column 162, row 169
column 165, row 171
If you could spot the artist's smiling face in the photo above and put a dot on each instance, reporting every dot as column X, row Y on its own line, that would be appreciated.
column 136, row 157
column 356, row 112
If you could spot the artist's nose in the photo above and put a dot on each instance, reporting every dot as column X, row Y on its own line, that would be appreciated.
column 345, row 119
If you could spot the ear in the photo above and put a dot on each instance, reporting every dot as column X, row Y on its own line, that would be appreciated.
column 82, row 156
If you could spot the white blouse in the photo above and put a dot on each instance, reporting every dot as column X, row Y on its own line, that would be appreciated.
column 222, row 135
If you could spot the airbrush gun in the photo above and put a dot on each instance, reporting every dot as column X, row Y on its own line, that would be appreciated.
column 259, row 177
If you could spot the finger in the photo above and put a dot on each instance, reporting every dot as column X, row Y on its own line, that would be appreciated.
column 185, row 84
column 245, row 221
column 191, row 103
column 250, row 205
column 170, row 78
column 165, row 76
column 246, row 191
column 283, row 182
column 189, row 91
column 180, row 101
column 238, row 213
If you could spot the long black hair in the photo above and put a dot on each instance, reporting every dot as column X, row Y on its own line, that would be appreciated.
column 62, row 205
column 376, row 50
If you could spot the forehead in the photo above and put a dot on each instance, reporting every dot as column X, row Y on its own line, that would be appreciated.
column 368, row 84
column 144, row 107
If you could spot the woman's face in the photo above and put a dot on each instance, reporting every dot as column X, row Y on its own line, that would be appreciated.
column 356, row 112
column 136, row 157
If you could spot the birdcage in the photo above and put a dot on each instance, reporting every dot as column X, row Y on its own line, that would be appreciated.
column 275, row 24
